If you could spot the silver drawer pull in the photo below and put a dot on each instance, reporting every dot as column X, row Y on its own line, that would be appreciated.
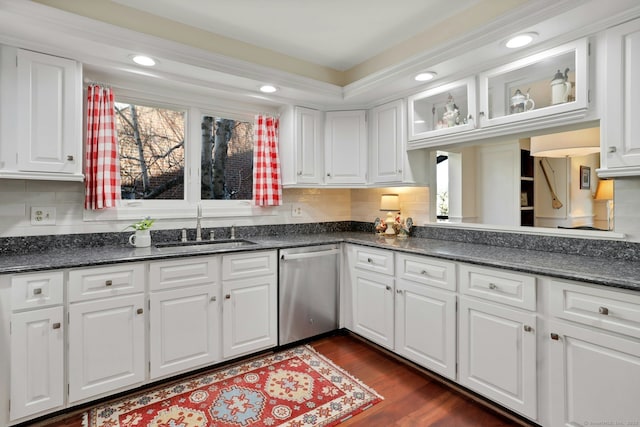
column 37, row 291
column 108, row 283
column 398, row 291
column 604, row 311
column 528, row 328
column 56, row 325
column 369, row 260
column 493, row 286
column 140, row 311
column 424, row 272
column 213, row 299
column 70, row 158
column 555, row 337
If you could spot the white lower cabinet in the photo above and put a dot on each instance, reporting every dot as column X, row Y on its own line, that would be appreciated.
column 250, row 302
column 497, row 354
column 184, row 315
column 106, row 345
column 373, row 307
column 425, row 329
column 37, row 360
column 594, row 377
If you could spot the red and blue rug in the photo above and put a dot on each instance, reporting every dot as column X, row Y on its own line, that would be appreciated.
column 294, row 388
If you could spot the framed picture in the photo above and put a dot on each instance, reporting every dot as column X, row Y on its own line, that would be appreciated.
column 585, row 177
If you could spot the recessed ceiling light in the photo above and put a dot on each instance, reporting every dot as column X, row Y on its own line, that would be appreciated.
column 143, row 60
column 425, row 76
column 268, row 89
column 520, row 40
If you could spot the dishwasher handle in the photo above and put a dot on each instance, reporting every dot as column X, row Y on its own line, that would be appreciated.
column 288, row 257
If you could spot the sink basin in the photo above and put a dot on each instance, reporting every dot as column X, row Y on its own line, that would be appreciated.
column 205, row 244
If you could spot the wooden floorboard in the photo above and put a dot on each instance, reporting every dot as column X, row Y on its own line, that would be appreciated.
column 411, row 398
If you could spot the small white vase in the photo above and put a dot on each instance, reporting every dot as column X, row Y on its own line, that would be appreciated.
column 141, row 239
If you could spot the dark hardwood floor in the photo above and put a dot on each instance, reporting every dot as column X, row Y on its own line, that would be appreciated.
column 411, row 398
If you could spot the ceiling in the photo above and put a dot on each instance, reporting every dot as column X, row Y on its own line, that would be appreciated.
column 337, row 34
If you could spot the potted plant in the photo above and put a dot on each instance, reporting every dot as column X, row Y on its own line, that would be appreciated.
column 142, row 237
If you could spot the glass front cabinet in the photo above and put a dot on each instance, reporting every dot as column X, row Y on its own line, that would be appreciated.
column 443, row 110
column 545, row 88
column 548, row 83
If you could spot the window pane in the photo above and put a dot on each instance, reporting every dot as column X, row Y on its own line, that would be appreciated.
column 151, row 146
column 227, row 159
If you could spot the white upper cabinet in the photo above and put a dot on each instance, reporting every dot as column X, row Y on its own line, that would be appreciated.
column 41, row 117
column 443, row 110
column 620, row 129
column 547, row 83
column 389, row 161
column 308, row 146
column 345, row 142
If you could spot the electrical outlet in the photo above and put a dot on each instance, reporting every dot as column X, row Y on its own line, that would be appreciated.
column 43, row 215
column 296, row 210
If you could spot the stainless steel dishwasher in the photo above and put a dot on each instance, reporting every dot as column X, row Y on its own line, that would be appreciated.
column 308, row 292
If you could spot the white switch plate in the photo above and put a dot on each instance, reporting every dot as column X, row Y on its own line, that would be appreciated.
column 43, row 215
column 296, row 210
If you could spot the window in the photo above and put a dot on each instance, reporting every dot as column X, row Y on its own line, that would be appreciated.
column 226, row 166
column 152, row 156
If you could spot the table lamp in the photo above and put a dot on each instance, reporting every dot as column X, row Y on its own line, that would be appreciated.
column 604, row 191
column 391, row 204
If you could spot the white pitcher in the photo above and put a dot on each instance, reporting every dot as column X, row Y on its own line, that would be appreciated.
column 560, row 87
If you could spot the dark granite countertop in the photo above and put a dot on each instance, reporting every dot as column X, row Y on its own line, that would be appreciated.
column 602, row 271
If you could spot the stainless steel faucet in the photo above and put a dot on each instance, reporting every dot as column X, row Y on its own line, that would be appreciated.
column 198, row 226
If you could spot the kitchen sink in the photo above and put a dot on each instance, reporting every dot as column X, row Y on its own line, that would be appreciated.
column 205, row 244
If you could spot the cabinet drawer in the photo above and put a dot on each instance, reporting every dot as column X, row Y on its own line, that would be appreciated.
column 441, row 274
column 182, row 272
column 36, row 290
column 518, row 290
column 371, row 259
column 90, row 283
column 615, row 311
column 248, row 264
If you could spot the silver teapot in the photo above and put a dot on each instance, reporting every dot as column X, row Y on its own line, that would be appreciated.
column 521, row 103
column 560, row 87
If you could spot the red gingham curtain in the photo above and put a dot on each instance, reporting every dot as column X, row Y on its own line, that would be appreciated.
column 102, row 165
column 267, row 188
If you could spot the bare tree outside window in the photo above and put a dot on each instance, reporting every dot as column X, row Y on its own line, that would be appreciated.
column 227, row 159
column 151, row 148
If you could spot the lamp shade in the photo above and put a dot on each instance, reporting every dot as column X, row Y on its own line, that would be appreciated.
column 566, row 144
column 390, row 202
column 604, row 190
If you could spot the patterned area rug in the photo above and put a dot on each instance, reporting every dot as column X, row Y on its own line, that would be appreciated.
column 294, row 388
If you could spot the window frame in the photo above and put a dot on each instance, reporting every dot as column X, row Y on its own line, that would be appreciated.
column 195, row 107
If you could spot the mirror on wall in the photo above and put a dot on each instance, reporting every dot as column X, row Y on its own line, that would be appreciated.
column 542, row 180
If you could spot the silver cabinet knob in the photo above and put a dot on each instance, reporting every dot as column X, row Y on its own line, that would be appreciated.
column 424, row 272
column 56, row 325
column 493, row 286
column 612, row 149
column 604, row 311
column 70, row 158
column 388, row 287
column 528, row 328
column 140, row 311
column 213, row 299
column 299, row 173
column 37, row 291
column 108, row 283
column 329, row 175
column 369, row 260
column 227, row 296
column 555, row 337
column 398, row 291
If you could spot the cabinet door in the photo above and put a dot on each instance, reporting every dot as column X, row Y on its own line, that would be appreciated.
column 345, row 147
column 308, row 145
column 373, row 310
column 594, row 377
column 37, row 361
column 184, row 326
column 498, row 354
column 49, row 113
column 250, row 315
column 106, row 345
column 387, row 143
column 426, row 326
column 620, row 127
